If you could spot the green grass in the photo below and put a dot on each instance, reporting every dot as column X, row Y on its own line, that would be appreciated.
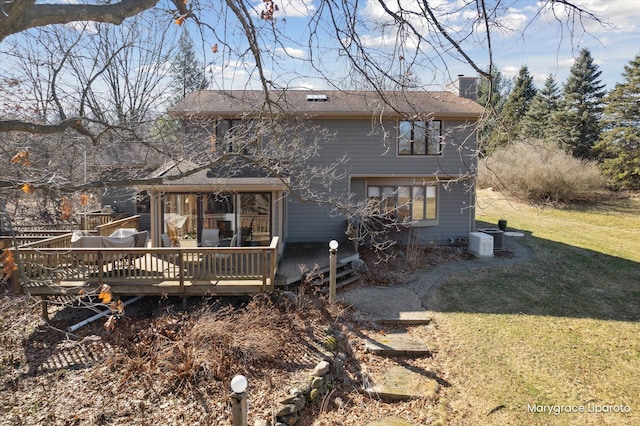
column 611, row 227
column 562, row 329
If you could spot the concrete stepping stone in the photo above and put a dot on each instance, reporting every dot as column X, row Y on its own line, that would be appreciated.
column 389, row 421
column 396, row 344
column 382, row 302
column 406, row 318
column 401, row 384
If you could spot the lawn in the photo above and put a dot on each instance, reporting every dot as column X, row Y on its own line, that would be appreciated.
column 560, row 332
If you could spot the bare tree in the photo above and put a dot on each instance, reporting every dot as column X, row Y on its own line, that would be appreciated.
column 110, row 81
column 417, row 43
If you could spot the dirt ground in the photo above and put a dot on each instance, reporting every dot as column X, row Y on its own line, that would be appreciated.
column 162, row 365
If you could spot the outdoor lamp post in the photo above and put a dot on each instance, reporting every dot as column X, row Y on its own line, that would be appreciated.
column 239, row 404
column 333, row 254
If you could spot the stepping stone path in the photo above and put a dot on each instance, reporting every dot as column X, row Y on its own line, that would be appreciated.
column 401, row 307
column 389, row 421
column 396, row 344
column 401, row 384
column 406, row 318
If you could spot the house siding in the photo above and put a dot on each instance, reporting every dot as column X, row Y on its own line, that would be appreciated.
column 372, row 153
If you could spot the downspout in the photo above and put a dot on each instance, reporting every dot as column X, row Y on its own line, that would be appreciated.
column 100, row 315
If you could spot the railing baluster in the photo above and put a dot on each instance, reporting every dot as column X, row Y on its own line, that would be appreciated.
column 151, row 266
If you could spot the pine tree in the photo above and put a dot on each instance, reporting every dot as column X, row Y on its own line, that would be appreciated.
column 577, row 125
column 619, row 148
column 537, row 123
column 517, row 104
column 492, row 94
column 188, row 73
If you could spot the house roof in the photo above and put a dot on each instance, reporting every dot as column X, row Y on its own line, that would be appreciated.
column 328, row 103
column 209, row 179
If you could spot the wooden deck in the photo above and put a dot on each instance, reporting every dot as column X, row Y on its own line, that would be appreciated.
column 51, row 267
column 299, row 257
column 175, row 271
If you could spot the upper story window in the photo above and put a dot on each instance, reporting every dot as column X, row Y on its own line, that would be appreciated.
column 236, row 135
column 420, row 137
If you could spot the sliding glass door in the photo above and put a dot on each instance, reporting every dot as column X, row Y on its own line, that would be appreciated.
column 245, row 216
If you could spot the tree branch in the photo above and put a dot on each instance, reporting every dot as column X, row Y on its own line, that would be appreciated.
column 21, row 15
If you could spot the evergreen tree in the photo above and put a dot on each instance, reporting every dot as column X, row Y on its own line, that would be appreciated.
column 619, row 148
column 537, row 121
column 517, row 104
column 577, row 125
column 188, row 73
column 492, row 94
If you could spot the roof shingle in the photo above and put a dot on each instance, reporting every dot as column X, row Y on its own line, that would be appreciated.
column 337, row 104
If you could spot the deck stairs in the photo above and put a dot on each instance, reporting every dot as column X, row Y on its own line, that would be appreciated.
column 345, row 275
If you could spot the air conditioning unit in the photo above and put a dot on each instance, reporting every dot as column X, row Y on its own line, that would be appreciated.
column 481, row 244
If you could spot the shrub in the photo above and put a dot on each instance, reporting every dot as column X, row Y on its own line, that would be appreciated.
column 541, row 172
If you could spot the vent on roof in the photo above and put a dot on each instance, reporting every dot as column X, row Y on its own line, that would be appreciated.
column 317, row 98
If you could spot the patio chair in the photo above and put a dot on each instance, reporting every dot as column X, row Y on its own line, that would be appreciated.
column 166, row 242
column 220, row 262
column 210, row 237
column 246, row 232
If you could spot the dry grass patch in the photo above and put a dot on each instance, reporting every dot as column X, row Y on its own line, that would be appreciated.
column 561, row 329
column 501, row 364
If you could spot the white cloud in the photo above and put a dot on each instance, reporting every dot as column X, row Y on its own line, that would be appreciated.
column 290, row 8
column 509, row 71
column 512, row 22
column 617, row 16
column 88, row 27
column 565, row 63
column 292, row 52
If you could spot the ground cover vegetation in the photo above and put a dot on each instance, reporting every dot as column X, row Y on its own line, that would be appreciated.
column 560, row 329
column 96, row 94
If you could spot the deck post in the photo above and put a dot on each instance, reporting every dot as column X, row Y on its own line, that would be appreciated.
column 100, row 268
column 333, row 256
column 181, row 269
column 45, row 307
column 265, row 270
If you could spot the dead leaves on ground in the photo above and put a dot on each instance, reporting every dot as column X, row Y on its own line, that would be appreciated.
column 21, row 158
column 115, row 306
column 8, row 263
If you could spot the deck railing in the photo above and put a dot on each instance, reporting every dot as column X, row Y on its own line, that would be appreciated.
column 107, row 229
column 92, row 220
column 58, row 241
column 139, row 267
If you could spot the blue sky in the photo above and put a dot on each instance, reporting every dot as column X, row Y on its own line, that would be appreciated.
column 523, row 38
column 528, row 35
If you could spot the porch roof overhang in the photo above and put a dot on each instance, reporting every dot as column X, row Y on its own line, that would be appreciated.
column 253, row 184
column 185, row 176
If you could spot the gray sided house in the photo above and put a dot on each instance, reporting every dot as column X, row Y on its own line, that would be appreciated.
column 412, row 155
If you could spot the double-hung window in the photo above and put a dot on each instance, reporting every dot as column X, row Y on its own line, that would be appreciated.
column 420, row 137
column 410, row 202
